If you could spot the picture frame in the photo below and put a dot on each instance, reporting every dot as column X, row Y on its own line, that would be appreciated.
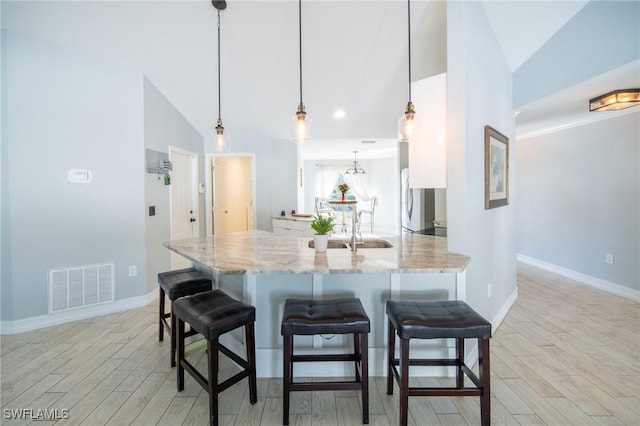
column 496, row 168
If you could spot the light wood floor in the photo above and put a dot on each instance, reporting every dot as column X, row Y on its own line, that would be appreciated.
column 565, row 354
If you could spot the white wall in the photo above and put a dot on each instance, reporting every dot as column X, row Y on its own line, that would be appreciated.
column 479, row 94
column 571, row 213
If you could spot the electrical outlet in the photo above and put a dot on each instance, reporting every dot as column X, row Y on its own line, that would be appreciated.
column 133, row 270
column 489, row 290
column 608, row 258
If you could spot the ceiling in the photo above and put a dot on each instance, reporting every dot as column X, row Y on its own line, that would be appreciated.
column 354, row 58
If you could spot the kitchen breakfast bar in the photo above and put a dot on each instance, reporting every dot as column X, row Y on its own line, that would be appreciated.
column 264, row 270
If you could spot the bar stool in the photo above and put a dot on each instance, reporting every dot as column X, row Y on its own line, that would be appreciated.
column 176, row 284
column 212, row 314
column 331, row 316
column 437, row 320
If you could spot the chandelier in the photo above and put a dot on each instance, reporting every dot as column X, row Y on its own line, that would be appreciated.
column 355, row 170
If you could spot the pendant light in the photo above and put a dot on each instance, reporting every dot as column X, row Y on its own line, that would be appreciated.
column 406, row 123
column 355, row 170
column 301, row 123
column 220, row 142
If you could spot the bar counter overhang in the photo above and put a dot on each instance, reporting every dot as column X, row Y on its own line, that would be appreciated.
column 263, row 269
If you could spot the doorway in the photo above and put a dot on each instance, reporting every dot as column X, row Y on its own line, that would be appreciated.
column 231, row 193
column 184, row 200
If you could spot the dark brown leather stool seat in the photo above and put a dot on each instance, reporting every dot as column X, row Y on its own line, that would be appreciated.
column 330, row 316
column 436, row 320
column 212, row 314
column 176, row 284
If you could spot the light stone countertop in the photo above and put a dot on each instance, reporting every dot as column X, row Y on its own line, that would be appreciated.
column 260, row 252
column 294, row 218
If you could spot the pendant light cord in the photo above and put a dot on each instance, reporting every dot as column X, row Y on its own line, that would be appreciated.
column 409, row 40
column 219, row 95
column 300, row 43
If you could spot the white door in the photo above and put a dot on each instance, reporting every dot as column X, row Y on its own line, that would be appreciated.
column 232, row 179
column 184, row 200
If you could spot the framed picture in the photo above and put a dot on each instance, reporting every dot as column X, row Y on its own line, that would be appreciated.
column 496, row 168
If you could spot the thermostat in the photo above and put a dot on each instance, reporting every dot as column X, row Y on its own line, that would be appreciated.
column 79, row 176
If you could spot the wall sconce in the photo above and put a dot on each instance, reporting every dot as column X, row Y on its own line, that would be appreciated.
column 616, row 100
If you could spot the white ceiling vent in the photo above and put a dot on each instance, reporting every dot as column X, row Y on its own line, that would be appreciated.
column 77, row 287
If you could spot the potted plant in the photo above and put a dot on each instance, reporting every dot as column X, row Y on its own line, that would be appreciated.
column 322, row 225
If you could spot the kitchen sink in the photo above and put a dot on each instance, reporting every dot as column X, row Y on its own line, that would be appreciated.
column 374, row 244
column 361, row 244
column 332, row 244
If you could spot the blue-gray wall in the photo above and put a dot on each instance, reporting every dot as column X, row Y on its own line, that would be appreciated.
column 66, row 112
column 479, row 94
column 164, row 126
column 579, row 198
column 578, row 188
column 602, row 36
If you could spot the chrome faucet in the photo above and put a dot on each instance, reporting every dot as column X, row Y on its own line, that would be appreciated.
column 354, row 229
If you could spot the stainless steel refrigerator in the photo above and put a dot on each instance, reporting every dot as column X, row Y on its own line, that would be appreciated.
column 418, row 206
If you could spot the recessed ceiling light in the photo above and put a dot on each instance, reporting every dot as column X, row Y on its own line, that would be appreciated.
column 339, row 114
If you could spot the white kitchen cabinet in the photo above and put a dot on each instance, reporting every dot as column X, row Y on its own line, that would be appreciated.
column 290, row 226
column 428, row 149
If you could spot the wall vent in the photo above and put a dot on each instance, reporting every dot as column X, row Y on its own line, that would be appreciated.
column 80, row 286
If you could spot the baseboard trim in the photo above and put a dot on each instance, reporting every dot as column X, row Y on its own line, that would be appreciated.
column 502, row 313
column 42, row 321
column 598, row 283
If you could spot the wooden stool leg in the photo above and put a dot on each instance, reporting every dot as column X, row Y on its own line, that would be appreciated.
column 364, row 362
column 250, row 343
column 161, row 316
column 404, row 382
column 288, row 371
column 173, row 337
column 180, row 369
column 212, row 358
column 391, row 353
column 460, row 362
column 356, row 351
column 485, row 381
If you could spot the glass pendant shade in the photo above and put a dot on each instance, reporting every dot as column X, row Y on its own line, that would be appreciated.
column 220, row 139
column 301, row 123
column 300, row 126
column 407, row 124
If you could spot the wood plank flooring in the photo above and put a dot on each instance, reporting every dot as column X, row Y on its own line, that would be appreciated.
column 565, row 354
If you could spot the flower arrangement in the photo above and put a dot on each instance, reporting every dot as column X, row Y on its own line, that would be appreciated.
column 344, row 188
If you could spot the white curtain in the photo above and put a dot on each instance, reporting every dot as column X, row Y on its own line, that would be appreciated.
column 357, row 186
column 326, row 178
